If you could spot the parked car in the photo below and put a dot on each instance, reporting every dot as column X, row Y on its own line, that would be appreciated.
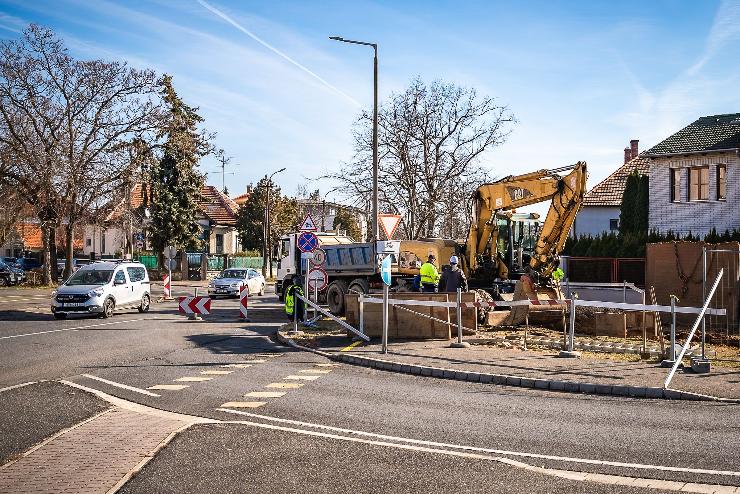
column 20, row 274
column 101, row 287
column 26, row 263
column 7, row 275
column 229, row 281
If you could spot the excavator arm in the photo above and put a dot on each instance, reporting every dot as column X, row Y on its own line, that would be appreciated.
column 490, row 200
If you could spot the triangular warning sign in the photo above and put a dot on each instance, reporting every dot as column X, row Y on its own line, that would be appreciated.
column 308, row 224
column 389, row 222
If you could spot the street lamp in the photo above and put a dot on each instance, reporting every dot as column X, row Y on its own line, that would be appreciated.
column 266, row 225
column 375, row 127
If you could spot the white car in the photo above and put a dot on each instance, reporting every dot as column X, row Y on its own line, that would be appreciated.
column 229, row 281
column 101, row 287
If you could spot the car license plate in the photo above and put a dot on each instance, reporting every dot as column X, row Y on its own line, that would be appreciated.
column 72, row 304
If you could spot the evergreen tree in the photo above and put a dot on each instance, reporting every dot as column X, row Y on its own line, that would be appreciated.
column 345, row 220
column 633, row 216
column 175, row 181
column 251, row 217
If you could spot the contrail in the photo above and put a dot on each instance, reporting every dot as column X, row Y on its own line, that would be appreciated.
column 276, row 51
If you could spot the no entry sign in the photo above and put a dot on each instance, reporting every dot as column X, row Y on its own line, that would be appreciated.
column 308, row 242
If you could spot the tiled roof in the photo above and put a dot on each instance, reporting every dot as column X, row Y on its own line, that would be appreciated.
column 217, row 206
column 609, row 191
column 240, row 200
column 30, row 234
column 711, row 133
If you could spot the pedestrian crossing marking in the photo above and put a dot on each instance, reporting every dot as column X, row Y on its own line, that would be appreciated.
column 237, row 366
column 315, row 371
column 243, row 404
column 170, row 387
column 257, row 361
column 326, row 365
column 216, row 372
column 284, row 385
column 193, row 379
column 302, row 378
column 265, row 394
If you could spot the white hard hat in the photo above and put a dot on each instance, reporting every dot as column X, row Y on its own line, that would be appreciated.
column 453, row 260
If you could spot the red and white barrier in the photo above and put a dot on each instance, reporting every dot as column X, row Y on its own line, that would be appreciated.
column 243, row 301
column 195, row 305
column 167, row 286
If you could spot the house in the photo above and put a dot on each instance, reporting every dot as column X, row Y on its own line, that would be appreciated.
column 124, row 228
column 601, row 204
column 26, row 239
column 695, row 177
column 323, row 213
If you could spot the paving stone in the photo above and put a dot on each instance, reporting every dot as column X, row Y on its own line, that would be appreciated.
column 498, row 379
column 653, row 392
column 448, row 374
column 406, row 369
column 603, row 389
column 620, row 390
column 486, row 378
column 557, row 385
column 542, row 384
column 526, row 382
column 461, row 376
column 474, row 377
column 513, row 381
column 426, row 371
column 636, row 391
column 586, row 388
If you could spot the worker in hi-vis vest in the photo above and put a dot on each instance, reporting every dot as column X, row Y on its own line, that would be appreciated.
column 429, row 275
column 293, row 303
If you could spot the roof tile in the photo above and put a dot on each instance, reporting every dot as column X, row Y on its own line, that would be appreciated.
column 710, row 133
column 609, row 191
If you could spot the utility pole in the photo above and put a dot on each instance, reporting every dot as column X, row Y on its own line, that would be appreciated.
column 266, row 225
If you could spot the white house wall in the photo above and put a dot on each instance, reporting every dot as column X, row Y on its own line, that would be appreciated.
column 697, row 217
column 594, row 220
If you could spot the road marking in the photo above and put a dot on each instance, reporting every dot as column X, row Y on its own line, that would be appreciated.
column 302, row 378
column 265, row 394
column 119, row 385
column 243, row 404
column 351, row 346
column 170, row 387
column 315, row 371
column 268, row 355
column 237, row 366
column 538, row 456
column 216, row 372
column 17, row 386
column 326, row 365
column 193, row 379
column 284, row 385
column 76, row 328
column 257, row 361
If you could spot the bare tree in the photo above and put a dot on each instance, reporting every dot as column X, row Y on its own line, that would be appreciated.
column 430, row 142
column 70, row 124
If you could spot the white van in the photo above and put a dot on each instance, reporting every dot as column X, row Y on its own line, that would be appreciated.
column 101, row 287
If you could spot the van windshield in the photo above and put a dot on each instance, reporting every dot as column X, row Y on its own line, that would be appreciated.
column 90, row 277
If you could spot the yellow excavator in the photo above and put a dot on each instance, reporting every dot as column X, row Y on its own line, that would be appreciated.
column 503, row 245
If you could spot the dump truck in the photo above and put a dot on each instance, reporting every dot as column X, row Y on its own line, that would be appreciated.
column 501, row 246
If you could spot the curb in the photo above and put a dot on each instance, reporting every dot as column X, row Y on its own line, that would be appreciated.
column 504, row 380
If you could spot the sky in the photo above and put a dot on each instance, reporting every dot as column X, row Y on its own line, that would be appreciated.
column 582, row 78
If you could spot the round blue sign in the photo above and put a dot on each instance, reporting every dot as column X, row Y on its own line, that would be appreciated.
column 385, row 270
column 308, row 242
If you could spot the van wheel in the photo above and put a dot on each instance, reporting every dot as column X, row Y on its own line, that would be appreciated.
column 108, row 307
column 335, row 297
column 145, row 303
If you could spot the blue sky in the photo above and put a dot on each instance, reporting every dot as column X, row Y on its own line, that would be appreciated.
column 582, row 78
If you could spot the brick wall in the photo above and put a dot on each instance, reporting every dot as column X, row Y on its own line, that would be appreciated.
column 697, row 217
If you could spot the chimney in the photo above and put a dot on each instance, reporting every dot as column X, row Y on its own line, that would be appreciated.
column 249, row 188
column 633, row 148
column 627, row 155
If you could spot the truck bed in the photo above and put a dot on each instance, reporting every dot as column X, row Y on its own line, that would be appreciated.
column 356, row 258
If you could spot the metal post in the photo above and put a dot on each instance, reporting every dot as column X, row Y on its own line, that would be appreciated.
column 567, row 288
column 295, row 312
column 384, row 343
column 169, row 273
column 672, row 351
column 570, row 353
column 306, row 291
column 704, row 297
column 459, row 343
column 362, row 314
column 193, row 316
column 316, row 301
column 644, row 329
column 375, row 142
column 624, row 291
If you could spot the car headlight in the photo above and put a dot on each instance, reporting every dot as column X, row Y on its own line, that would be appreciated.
column 210, row 285
column 96, row 293
column 53, row 293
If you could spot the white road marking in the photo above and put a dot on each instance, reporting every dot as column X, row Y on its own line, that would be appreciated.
column 302, row 378
column 494, row 451
column 76, row 328
column 18, row 386
column 119, row 385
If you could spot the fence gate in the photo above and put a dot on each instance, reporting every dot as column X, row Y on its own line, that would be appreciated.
column 724, row 329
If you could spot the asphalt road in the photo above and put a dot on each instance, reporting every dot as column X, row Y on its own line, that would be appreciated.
column 299, row 440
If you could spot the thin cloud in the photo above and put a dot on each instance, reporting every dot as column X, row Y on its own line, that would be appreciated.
column 277, row 52
column 725, row 29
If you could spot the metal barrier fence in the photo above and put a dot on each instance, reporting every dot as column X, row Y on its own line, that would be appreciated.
column 726, row 328
column 604, row 269
column 151, row 262
column 245, row 262
column 215, row 262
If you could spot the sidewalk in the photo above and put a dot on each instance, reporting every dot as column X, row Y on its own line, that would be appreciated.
column 535, row 369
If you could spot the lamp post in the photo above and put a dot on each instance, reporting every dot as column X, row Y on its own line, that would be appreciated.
column 376, row 230
column 266, row 225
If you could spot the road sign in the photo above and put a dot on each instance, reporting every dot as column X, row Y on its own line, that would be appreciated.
column 389, row 222
column 139, row 245
column 167, row 286
column 385, row 270
column 318, row 279
column 306, row 255
column 243, row 301
column 319, row 257
column 195, row 305
column 308, row 225
column 307, row 242
column 388, row 247
column 170, row 252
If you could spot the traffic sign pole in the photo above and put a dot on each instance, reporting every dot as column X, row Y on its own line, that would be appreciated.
column 385, row 319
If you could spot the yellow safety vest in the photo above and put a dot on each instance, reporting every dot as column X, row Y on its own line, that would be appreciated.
column 429, row 273
column 290, row 298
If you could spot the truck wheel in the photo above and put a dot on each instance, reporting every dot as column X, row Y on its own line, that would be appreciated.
column 359, row 285
column 335, row 297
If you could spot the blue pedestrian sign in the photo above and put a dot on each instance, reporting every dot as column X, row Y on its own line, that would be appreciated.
column 385, row 269
column 308, row 242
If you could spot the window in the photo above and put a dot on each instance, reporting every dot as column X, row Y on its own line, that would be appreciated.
column 219, row 243
column 136, row 274
column 88, row 242
column 120, row 277
column 721, row 182
column 699, row 183
column 675, row 185
column 614, row 224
